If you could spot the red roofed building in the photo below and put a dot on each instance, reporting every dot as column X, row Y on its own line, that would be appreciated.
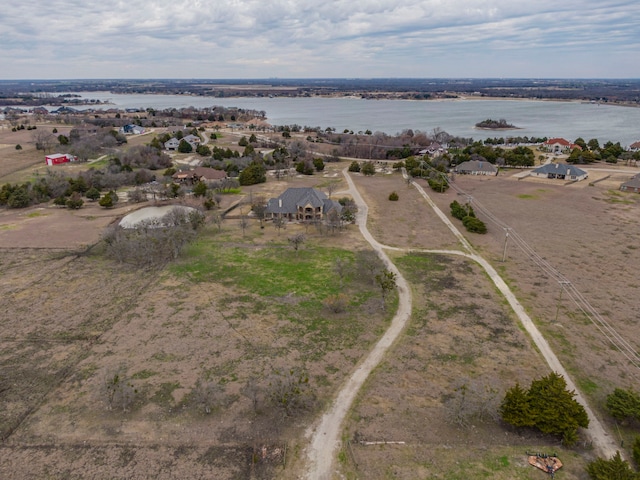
column 559, row 145
column 635, row 146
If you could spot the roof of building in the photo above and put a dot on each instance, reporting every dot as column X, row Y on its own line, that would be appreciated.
column 634, row 182
column 476, row 166
column 560, row 169
column 292, row 198
column 635, row 145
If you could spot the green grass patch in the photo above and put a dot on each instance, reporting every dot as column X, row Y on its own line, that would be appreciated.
column 587, row 385
column 526, row 196
column 36, row 214
column 142, row 374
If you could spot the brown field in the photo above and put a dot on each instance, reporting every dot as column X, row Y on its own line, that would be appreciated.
column 462, row 332
column 75, row 318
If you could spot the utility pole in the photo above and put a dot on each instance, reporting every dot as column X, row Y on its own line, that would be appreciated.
column 562, row 285
column 506, row 238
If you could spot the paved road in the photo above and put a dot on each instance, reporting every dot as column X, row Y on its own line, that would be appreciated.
column 325, row 436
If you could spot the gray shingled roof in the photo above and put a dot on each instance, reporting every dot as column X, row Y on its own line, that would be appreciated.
column 292, row 198
column 560, row 169
column 476, row 166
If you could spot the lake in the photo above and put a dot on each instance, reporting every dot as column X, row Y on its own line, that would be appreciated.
column 536, row 118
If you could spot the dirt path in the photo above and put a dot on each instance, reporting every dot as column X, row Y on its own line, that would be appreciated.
column 325, row 436
column 602, row 441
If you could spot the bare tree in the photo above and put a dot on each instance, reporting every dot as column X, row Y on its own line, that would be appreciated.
column 207, row 395
column 216, row 218
column 44, row 140
column 296, row 241
column 244, row 223
column 118, row 391
column 279, row 223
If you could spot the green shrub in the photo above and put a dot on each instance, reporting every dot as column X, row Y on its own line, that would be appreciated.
column 614, row 469
column 393, row 196
column 547, row 406
column 474, row 225
column 354, row 167
column 624, row 404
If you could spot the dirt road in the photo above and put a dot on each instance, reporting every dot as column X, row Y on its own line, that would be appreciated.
column 325, row 436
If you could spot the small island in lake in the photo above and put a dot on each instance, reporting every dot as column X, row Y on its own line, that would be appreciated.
column 491, row 124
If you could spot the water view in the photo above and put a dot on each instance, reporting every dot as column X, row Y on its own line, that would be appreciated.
column 458, row 117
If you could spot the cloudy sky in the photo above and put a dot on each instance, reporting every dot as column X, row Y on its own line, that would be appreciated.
column 59, row 39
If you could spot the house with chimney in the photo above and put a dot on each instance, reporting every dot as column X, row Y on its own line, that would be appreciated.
column 303, row 204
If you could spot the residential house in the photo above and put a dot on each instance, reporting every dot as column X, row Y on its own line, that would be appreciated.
column 301, row 204
column 204, row 174
column 193, row 140
column 559, row 145
column 632, row 185
column 561, row 171
column 476, row 167
column 634, row 147
column 131, row 129
column 172, row 144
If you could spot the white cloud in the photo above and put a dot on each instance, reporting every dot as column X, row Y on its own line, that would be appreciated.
column 236, row 38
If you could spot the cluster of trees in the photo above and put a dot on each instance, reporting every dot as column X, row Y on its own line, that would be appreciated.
column 366, row 168
column 514, row 140
column 491, row 123
column 624, row 405
column 547, row 406
column 520, row 156
column 154, row 242
column 468, row 217
column 592, row 151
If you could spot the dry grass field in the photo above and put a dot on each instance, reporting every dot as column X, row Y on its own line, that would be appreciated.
column 236, row 311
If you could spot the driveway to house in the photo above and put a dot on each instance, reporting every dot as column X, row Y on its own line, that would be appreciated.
column 325, row 436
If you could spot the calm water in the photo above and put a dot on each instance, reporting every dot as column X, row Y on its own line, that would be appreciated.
column 457, row 117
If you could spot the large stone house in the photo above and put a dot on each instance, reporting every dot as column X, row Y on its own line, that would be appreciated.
column 561, row 171
column 302, row 205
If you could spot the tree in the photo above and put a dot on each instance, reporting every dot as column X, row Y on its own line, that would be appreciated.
column 289, row 391
column 106, row 201
column 386, row 280
column 44, row 140
column 243, row 142
column 393, row 196
column 207, row 395
column 354, row 167
column 296, row 241
column 550, row 408
column 75, row 202
column 200, row 189
column 18, row 147
column 515, row 408
column 318, row 163
column 254, row 173
column 624, row 404
column 614, row 469
column 92, row 194
column 474, row 225
column 368, row 168
column 184, row 147
column 119, row 392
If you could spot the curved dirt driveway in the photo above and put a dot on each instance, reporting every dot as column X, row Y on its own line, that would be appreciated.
column 325, row 437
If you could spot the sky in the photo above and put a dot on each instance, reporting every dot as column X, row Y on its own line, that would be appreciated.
column 209, row 39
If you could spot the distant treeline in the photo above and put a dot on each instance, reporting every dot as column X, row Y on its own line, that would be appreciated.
column 600, row 90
